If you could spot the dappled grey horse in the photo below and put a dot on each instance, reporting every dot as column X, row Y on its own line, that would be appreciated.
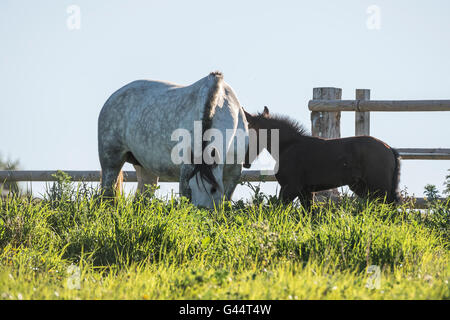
column 137, row 123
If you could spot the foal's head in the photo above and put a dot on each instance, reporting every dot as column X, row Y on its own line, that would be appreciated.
column 289, row 130
column 255, row 124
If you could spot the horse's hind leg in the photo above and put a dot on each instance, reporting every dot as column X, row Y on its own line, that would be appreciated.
column 145, row 179
column 111, row 163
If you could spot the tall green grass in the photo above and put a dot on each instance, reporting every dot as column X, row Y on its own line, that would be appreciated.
column 149, row 248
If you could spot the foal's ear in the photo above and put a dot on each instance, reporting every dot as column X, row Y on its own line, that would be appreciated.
column 265, row 112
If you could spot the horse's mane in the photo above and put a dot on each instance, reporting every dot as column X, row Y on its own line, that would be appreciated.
column 205, row 171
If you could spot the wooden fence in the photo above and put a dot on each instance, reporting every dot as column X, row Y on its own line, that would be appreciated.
column 326, row 108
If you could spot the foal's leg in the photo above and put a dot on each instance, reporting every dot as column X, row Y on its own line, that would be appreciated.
column 378, row 185
column 381, row 186
column 360, row 189
column 288, row 194
column 144, row 178
column 372, row 191
column 382, row 192
column 280, row 194
column 305, row 199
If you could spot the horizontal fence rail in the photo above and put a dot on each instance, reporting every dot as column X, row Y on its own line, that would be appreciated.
column 379, row 105
column 424, row 154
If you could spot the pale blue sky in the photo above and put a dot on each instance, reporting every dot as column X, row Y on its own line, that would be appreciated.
column 54, row 81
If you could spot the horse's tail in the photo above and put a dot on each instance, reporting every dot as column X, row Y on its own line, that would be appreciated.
column 395, row 195
column 215, row 80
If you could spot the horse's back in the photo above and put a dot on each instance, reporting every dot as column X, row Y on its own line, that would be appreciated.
column 148, row 95
column 141, row 104
column 134, row 93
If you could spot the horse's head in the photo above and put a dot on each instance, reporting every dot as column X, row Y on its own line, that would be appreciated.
column 255, row 124
column 206, row 183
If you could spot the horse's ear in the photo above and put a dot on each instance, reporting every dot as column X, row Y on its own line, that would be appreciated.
column 265, row 112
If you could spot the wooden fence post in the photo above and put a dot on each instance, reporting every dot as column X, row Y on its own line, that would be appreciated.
column 326, row 124
column 362, row 119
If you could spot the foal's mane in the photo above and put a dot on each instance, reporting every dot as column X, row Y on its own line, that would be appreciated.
column 283, row 123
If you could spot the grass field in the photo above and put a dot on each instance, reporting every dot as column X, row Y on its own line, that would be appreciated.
column 68, row 246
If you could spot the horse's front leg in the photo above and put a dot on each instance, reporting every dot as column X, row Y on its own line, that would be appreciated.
column 231, row 177
column 185, row 174
column 147, row 181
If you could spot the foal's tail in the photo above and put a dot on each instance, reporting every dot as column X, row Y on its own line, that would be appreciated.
column 395, row 195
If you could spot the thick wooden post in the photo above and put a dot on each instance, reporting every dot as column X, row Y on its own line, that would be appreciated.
column 326, row 124
column 362, row 119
